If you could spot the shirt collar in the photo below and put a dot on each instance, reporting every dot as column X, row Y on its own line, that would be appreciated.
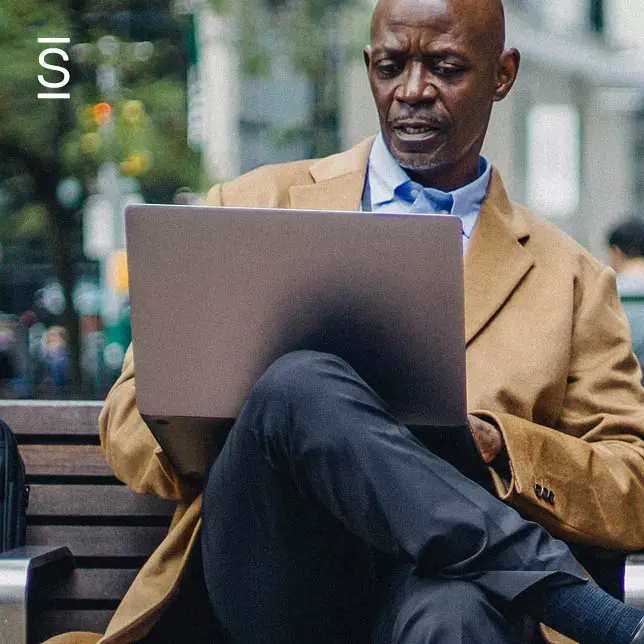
column 389, row 182
column 385, row 175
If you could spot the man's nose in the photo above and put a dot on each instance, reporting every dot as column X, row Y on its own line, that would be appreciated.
column 417, row 85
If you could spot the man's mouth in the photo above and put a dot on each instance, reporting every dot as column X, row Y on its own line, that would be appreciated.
column 416, row 129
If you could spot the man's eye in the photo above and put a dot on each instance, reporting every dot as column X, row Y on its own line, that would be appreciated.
column 445, row 69
column 387, row 69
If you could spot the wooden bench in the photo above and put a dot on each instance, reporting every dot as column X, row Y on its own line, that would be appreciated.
column 76, row 501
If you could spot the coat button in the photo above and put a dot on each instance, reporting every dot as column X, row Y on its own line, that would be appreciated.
column 538, row 490
column 551, row 497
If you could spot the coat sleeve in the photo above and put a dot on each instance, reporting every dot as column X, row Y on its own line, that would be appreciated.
column 129, row 446
column 584, row 478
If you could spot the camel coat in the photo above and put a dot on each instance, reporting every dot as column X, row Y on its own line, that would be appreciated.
column 548, row 360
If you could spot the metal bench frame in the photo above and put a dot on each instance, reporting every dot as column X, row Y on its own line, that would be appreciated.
column 634, row 581
column 16, row 573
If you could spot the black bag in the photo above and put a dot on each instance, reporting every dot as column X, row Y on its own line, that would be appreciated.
column 14, row 492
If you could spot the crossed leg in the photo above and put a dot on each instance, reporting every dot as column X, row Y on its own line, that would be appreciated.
column 315, row 477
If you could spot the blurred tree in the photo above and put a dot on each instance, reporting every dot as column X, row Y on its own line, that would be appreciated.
column 44, row 142
column 319, row 36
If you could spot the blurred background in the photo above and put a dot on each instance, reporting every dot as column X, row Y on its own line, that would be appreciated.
column 168, row 97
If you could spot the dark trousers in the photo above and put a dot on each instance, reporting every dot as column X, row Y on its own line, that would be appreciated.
column 326, row 520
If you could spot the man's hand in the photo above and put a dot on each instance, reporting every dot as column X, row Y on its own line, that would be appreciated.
column 487, row 437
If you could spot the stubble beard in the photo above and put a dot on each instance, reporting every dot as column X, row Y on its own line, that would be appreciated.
column 417, row 165
column 419, row 162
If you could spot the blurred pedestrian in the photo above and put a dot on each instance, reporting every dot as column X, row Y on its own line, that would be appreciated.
column 7, row 362
column 626, row 255
column 56, row 357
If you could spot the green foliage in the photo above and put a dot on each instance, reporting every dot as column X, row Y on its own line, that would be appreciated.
column 24, row 225
column 43, row 142
column 172, row 165
column 55, row 133
column 22, row 116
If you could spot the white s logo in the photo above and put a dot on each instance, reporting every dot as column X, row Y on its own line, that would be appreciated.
column 43, row 63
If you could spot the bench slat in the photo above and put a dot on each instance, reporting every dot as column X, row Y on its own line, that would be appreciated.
column 64, row 460
column 99, row 541
column 27, row 417
column 88, row 584
column 54, row 622
column 94, row 500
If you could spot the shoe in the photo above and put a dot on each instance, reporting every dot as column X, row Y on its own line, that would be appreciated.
column 638, row 637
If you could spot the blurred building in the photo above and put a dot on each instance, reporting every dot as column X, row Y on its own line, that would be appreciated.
column 568, row 140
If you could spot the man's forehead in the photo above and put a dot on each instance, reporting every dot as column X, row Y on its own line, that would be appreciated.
column 473, row 17
column 402, row 39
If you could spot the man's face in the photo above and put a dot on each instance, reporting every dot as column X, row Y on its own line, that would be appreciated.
column 435, row 68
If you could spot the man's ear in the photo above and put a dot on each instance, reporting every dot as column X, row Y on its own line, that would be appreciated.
column 366, row 54
column 506, row 73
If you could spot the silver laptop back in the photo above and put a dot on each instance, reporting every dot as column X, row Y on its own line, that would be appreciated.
column 217, row 294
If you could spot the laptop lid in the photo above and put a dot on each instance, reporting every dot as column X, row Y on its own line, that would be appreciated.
column 219, row 293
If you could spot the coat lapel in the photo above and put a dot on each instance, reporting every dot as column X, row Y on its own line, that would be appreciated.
column 496, row 261
column 341, row 193
column 338, row 181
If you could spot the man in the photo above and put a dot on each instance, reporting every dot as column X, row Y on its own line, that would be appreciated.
column 626, row 256
column 324, row 519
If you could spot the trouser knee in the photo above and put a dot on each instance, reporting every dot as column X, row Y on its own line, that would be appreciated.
column 297, row 387
column 298, row 375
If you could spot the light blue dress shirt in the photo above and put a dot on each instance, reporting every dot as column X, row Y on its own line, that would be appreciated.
column 388, row 188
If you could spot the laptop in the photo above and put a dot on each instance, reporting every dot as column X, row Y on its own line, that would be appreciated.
column 218, row 293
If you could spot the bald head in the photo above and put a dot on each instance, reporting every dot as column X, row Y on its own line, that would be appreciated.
column 484, row 18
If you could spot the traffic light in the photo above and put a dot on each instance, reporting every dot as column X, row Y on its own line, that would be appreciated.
column 102, row 113
column 116, row 273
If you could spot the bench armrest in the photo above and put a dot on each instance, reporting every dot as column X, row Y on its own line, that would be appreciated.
column 634, row 580
column 16, row 569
